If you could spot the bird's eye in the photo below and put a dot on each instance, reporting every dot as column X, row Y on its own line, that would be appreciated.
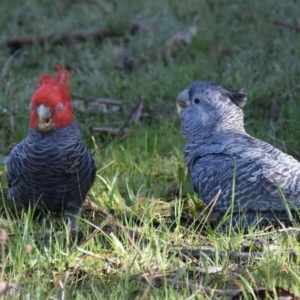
column 196, row 100
column 59, row 107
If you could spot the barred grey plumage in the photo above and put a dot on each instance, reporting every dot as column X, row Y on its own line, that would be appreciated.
column 52, row 167
column 218, row 153
column 54, row 171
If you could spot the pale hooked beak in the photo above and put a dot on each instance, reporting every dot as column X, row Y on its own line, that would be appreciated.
column 182, row 101
column 45, row 123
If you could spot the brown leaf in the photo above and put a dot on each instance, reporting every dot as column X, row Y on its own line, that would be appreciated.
column 136, row 116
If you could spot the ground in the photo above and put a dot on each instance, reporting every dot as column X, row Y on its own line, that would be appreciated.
column 142, row 214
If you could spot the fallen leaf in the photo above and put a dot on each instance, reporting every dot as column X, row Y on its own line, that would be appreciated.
column 136, row 116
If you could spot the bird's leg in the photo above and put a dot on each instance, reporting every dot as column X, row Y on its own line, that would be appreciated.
column 72, row 214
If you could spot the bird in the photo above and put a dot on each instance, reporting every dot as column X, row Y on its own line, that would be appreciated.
column 51, row 169
column 232, row 171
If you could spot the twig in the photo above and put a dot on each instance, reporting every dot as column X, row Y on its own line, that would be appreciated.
column 87, row 252
column 114, row 222
column 210, row 206
column 234, row 256
column 138, row 112
column 287, row 25
column 284, row 145
column 97, row 148
column 157, row 274
column 125, row 123
column 147, row 289
column 208, row 270
column 263, row 232
column 90, row 237
column 160, row 277
column 109, row 130
column 18, row 42
column 289, row 229
column 100, row 100
column 260, row 291
column 201, row 288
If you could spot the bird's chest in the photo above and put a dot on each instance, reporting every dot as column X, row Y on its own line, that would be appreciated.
column 52, row 161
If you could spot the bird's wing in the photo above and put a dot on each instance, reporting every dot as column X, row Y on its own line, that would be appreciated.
column 14, row 168
column 277, row 167
column 246, row 179
column 27, row 159
column 276, row 154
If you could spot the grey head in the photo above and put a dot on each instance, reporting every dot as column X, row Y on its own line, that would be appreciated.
column 207, row 109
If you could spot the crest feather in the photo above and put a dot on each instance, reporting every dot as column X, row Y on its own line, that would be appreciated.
column 62, row 79
column 238, row 97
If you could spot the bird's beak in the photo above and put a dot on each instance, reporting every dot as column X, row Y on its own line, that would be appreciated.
column 182, row 101
column 45, row 123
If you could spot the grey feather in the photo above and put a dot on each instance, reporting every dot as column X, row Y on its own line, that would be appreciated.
column 52, row 170
column 218, row 148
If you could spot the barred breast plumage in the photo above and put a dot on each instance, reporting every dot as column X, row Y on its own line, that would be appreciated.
column 56, row 168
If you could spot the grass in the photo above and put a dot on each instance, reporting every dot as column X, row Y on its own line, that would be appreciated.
column 147, row 212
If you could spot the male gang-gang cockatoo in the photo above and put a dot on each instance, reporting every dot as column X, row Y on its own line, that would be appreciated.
column 218, row 153
column 52, row 167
